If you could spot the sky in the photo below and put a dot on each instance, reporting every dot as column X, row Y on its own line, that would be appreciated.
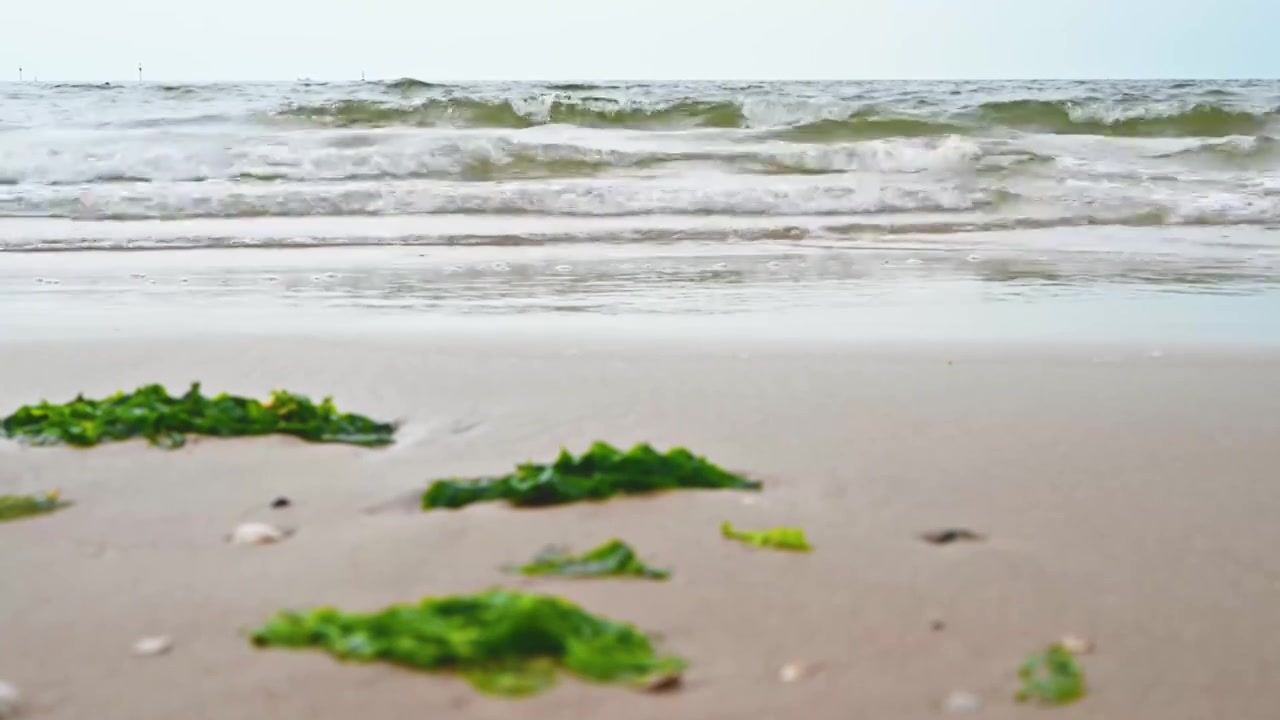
column 446, row 40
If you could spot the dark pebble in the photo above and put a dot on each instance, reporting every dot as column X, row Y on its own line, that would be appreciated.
column 950, row 535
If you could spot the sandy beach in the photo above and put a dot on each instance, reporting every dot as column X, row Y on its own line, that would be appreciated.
column 1043, row 311
column 1127, row 498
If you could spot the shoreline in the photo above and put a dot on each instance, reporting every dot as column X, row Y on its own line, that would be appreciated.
column 860, row 295
column 1124, row 500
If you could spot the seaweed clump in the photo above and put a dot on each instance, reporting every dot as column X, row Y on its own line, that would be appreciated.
column 503, row 642
column 166, row 420
column 1051, row 677
column 13, row 507
column 601, row 472
column 612, row 558
column 782, row 538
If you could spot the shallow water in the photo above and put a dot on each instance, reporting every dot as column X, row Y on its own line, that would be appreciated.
column 1011, row 289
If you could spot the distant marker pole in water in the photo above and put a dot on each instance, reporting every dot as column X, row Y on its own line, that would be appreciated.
column 19, row 73
column 139, row 72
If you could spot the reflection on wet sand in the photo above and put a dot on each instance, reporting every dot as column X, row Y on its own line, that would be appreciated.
column 892, row 285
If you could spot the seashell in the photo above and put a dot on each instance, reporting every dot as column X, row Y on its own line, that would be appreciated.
column 793, row 671
column 1076, row 645
column 155, row 645
column 257, row 534
column 962, row 701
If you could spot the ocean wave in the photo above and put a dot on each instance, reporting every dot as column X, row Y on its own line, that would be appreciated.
column 1232, row 151
column 806, row 122
column 747, row 196
column 408, row 84
column 865, row 125
column 575, row 87
column 812, row 112
column 366, row 154
column 87, row 86
column 1068, row 117
column 478, row 113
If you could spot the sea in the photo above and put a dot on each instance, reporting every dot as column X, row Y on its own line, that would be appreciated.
column 1018, row 208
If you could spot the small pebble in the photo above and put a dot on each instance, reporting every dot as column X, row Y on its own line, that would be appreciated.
column 1076, row 645
column 949, row 535
column 962, row 702
column 257, row 534
column 937, row 624
column 280, row 503
column 791, row 672
column 9, row 701
column 149, row 646
column 665, row 682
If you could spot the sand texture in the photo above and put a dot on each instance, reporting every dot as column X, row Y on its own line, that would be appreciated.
column 1128, row 499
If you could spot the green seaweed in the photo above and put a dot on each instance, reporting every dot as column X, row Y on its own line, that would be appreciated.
column 612, row 558
column 166, row 420
column 1051, row 677
column 503, row 642
column 781, row 538
column 13, row 507
column 601, row 472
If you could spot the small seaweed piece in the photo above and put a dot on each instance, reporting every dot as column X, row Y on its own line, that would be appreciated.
column 13, row 507
column 601, row 472
column 781, row 538
column 503, row 642
column 612, row 558
column 166, row 420
column 1051, row 677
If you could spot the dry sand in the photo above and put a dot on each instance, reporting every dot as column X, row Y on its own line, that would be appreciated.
column 1127, row 498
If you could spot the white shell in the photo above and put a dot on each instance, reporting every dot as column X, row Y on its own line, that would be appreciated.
column 962, row 702
column 157, row 645
column 257, row 534
column 9, row 701
column 791, row 672
column 1076, row 645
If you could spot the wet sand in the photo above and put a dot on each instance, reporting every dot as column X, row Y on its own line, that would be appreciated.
column 1126, row 497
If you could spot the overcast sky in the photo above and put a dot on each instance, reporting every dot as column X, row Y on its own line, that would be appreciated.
column 650, row 39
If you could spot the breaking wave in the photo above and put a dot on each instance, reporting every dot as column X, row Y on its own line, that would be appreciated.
column 815, row 123
column 1074, row 118
column 477, row 113
column 408, row 84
